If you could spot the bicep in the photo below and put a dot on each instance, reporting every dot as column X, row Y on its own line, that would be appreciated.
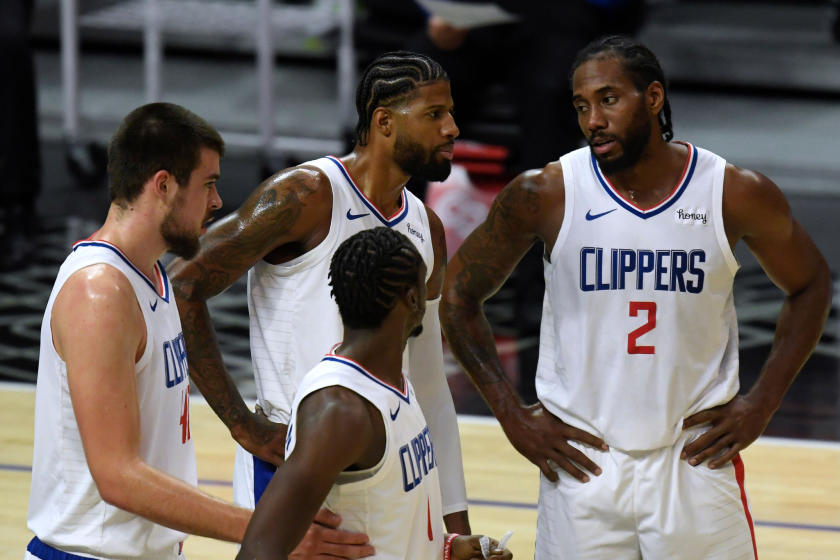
column 491, row 252
column 99, row 339
column 333, row 430
column 282, row 210
column 757, row 209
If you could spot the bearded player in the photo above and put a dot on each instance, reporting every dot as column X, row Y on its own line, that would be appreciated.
column 639, row 425
column 284, row 236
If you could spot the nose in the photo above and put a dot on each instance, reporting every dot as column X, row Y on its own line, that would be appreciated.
column 215, row 200
column 594, row 120
column 450, row 129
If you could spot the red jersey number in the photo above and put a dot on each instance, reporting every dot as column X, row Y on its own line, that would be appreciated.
column 633, row 337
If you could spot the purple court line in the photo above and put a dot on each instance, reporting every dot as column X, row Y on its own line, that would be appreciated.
column 510, row 505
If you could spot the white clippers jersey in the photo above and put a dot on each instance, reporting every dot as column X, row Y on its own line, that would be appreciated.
column 396, row 503
column 639, row 327
column 65, row 508
column 294, row 319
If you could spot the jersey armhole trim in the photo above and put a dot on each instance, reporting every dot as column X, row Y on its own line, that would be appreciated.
column 324, row 248
column 430, row 247
column 720, row 230
column 568, row 213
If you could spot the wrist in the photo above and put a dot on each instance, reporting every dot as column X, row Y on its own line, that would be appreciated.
column 447, row 545
column 764, row 402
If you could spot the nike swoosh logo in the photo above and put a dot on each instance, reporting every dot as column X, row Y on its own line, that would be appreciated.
column 590, row 217
column 153, row 306
column 394, row 414
column 356, row 216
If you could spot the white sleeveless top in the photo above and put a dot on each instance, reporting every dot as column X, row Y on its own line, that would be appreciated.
column 294, row 319
column 639, row 327
column 65, row 508
column 396, row 503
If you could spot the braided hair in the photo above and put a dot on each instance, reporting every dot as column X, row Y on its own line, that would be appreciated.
column 389, row 78
column 369, row 271
column 639, row 62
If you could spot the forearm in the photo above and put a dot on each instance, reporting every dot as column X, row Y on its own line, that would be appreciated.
column 798, row 331
column 472, row 343
column 207, row 368
column 167, row 501
column 432, row 390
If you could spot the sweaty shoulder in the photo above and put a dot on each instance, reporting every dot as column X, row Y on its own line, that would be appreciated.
column 95, row 300
column 533, row 203
column 752, row 203
column 305, row 189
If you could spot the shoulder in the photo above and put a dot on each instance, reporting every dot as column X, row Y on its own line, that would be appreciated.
column 98, row 298
column 532, row 186
column 751, row 201
column 337, row 407
column 304, row 184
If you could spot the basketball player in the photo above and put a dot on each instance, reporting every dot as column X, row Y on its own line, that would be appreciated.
column 114, row 471
column 283, row 237
column 639, row 344
column 358, row 442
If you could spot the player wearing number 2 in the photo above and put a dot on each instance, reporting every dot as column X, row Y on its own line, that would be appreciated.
column 638, row 372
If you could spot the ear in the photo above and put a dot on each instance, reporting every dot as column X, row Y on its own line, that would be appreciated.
column 411, row 299
column 383, row 121
column 162, row 184
column 655, row 97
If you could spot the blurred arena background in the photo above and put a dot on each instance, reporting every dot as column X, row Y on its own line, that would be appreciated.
column 757, row 82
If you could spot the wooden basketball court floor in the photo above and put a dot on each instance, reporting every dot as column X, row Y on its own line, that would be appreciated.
column 794, row 486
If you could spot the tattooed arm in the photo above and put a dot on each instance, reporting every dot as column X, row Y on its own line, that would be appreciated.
column 289, row 212
column 531, row 207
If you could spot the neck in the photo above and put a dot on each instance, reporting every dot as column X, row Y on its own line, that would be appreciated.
column 136, row 233
column 377, row 175
column 654, row 169
column 379, row 350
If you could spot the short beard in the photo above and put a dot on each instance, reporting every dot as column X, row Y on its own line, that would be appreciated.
column 413, row 160
column 632, row 147
column 178, row 242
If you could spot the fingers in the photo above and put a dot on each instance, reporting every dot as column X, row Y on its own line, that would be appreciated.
column 570, row 468
column 327, row 518
column 702, row 442
column 581, row 459
column 726, row 457
column 499, row 555
column 700, row 418
column 585, row 437
column 547, row 471
column 713, row 450
column 337, row 536
column 346, row 550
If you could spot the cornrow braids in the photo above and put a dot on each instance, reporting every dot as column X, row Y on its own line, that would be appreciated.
column 391, row 77
column 368, row 272
column 639, row 62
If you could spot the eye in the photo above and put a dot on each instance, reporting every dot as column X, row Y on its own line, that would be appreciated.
column 433, row 114
column 610, row 99
column 580, row 108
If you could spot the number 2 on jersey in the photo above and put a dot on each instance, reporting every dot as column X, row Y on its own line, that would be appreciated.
column 635, row 307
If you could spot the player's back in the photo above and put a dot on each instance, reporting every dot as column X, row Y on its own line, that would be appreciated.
column 293, row 318
column 66, row 510
column 639, row 327
column 396, row 503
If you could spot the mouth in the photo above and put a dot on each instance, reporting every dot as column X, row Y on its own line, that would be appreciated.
column 602, row 145
column 447, row 151
column 205, row 224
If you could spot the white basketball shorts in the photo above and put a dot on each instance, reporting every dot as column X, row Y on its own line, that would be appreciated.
column 646, row 505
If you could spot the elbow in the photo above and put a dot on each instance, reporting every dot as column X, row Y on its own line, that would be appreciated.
column 113, row 487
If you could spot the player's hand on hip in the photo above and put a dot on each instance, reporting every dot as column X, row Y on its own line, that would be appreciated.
column 466, row 547
column 324, row 540
column 542, row 437
column 263, row 438
column 735, row 425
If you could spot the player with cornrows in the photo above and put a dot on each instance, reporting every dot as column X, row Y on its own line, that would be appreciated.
column 283, row 237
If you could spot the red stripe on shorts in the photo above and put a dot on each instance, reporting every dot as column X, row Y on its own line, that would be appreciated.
column 739, row 476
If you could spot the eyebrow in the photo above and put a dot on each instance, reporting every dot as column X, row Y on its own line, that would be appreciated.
column 213, row 177
column 601, row 89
